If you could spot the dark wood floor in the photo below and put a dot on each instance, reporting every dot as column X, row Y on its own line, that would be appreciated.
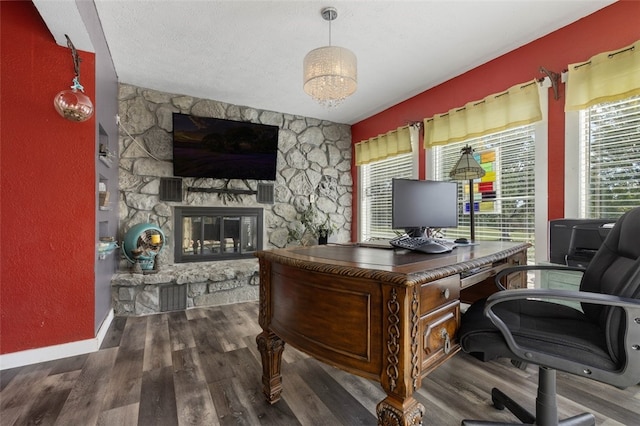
column 201, row 367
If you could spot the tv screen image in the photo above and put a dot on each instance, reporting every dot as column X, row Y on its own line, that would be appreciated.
column 421, row 204
column 223, row 149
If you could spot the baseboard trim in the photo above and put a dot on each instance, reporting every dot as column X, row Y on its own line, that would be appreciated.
column 50, row 353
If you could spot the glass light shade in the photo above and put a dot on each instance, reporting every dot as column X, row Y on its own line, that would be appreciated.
column 73, row 105
column 467, row 167
column 330, row 74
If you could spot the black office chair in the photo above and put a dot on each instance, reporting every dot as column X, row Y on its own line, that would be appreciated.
column 601, row 342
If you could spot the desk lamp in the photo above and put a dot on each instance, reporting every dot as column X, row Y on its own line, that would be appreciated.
column 468, row 168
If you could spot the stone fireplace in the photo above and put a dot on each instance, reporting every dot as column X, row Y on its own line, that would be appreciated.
column 314, row 165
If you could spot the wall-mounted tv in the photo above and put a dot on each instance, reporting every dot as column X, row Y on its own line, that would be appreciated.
column 223, row 149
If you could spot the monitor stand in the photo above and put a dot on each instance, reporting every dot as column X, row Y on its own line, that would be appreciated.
column 417, row 232
column 424, row 232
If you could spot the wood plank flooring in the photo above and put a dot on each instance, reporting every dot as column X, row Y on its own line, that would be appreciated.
column 202, row 367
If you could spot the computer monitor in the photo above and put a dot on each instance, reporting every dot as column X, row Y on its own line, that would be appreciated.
column 418, row 205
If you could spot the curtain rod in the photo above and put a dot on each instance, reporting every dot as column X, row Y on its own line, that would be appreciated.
column 555, row 78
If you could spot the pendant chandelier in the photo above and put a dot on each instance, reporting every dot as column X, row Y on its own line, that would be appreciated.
column 73, row 104
column 330, row 72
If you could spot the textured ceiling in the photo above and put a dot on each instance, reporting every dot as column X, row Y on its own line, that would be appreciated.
column 251, row 52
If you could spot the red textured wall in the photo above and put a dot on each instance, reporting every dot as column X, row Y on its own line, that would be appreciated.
column 613, row 27
column 47, row 190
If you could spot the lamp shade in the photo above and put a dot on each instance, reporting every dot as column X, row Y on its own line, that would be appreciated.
column 467, row 167
column 330, row 74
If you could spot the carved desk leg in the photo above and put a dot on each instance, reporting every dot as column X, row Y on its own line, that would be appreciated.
column 395, row 413
column 401, row 375
column 271, row 347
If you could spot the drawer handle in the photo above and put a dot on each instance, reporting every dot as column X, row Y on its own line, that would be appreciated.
column 447, row 341
column 445, row 293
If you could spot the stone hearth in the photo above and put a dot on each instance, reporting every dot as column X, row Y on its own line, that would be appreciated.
column 207, row 284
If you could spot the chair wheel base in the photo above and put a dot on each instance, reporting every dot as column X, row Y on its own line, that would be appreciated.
column 547, row 414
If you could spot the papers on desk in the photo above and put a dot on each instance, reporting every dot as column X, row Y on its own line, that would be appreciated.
column 381, row 243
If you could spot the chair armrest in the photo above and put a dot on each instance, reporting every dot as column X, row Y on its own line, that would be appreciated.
column 631, row 309
column 519, row 268
column 576, row 296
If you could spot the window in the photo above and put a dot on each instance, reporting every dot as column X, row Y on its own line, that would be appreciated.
column 609, row 159
column 518, row 207
column 505, row 198
column 375, row 189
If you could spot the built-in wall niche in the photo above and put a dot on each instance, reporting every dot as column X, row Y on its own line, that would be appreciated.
column 216, row 233
column 103, row 229
column 103, row 193
column 107, row 243
column 105, row 153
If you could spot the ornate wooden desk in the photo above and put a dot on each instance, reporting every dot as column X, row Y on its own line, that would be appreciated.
column 388, row 315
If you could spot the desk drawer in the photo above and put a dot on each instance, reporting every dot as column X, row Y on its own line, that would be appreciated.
column 438, row 293
column 439, row 335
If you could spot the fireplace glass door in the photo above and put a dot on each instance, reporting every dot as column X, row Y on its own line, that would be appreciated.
column 204, row 234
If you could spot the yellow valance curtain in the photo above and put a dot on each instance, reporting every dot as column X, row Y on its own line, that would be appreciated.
column 390, row 144
column 517, row 106
column 606, row 77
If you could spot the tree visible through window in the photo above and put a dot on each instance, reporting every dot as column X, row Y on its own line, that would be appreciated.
column 610, row 158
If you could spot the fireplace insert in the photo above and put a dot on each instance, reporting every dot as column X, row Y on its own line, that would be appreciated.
column 217, row 233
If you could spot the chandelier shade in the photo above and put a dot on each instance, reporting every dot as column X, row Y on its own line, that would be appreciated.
column 330, row 72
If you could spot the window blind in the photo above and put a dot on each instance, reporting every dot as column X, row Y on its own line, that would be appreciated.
column 610, row 158
column 375, row 198
column 505, row 196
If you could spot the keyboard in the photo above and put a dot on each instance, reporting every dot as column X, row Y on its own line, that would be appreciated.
column 422, row 244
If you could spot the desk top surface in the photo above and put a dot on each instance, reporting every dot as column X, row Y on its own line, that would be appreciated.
column 335, row 258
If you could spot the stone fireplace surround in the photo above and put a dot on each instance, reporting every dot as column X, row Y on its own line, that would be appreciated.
column 314, row 162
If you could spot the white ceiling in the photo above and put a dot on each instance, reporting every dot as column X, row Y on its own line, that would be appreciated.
column 251, row 52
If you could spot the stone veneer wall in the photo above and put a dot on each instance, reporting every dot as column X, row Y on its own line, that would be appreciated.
column 314, row 159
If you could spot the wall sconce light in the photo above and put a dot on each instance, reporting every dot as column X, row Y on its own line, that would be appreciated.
column 73, row 104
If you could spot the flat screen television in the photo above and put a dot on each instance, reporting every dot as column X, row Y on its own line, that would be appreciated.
column 223, row 149
column 418, row 205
